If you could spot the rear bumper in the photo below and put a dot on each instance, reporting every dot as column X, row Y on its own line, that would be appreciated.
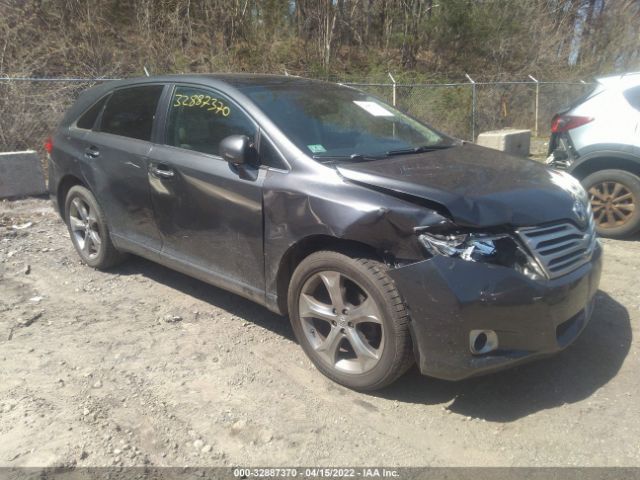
column 562, row 153
column 53, row 183
column 450, row 297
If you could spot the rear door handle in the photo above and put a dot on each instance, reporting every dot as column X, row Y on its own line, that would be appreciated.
column 161, row 170
column 91, row 152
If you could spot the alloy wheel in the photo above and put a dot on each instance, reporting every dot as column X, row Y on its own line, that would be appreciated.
column 612, row 204
column 341, row 322
column 84, row 227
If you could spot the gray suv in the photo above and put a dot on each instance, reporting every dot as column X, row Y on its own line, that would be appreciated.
column 385, row 241
column 597, row 140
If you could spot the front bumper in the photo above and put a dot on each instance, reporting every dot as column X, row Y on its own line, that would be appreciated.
column 449, row 297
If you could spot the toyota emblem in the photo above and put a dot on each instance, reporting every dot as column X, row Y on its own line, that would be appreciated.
column 580, row 211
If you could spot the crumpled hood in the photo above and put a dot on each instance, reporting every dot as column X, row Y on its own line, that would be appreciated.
column 478, row 186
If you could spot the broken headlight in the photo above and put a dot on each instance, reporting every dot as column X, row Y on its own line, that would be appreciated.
column 498, row 249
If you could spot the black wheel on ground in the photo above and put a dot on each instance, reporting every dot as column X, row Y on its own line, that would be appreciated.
column 350, row 320
column 615, row 201
column 88, row 229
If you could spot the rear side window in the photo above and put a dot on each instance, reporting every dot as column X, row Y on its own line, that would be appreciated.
column 88, row 118
column 130, row 112
column 200, row 119
column 633, row 97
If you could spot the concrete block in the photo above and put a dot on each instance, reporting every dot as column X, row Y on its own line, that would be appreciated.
column 21, row 174
column 509, row 140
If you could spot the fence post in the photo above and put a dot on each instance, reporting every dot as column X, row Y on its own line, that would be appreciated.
column 535, row 128
column 473, row 107
column 393, row 81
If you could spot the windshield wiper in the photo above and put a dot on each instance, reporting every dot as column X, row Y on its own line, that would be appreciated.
column 421, row 149
column 361, row 157
column 354, row 157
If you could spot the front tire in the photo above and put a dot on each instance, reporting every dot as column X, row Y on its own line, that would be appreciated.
column 88, row 229
column 615, row 201
column 350, row 320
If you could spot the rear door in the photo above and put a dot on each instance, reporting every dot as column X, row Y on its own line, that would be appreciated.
column 117, row 151
column 209, row 212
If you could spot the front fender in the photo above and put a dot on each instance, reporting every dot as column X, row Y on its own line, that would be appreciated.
column 297, row 208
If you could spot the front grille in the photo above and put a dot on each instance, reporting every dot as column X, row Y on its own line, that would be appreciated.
column 560, row 248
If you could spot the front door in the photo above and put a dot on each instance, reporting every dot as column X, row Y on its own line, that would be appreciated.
column 209, row 215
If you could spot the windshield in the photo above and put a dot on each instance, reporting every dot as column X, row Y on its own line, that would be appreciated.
column 328, row 121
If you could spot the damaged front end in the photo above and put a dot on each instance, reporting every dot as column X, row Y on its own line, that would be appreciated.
column 467, row 259
column 482, row 301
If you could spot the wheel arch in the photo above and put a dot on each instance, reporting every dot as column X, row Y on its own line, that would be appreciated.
column 605, row 161
column 65, row 184
column 300, row 250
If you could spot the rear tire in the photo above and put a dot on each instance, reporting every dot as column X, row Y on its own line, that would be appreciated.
column 350, row 320
column 88, row 229
column 615, row 201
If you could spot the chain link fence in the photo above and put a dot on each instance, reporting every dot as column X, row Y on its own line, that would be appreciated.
column 32, row 107
column 467, row 109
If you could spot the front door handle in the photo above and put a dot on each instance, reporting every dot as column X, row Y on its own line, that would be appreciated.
column 91, row 152
column 162, row 171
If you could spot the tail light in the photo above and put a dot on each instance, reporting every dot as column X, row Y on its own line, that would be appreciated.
column 48, row 145
column 564, row 123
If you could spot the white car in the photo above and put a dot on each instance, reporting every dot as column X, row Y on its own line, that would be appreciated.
column 597, row 140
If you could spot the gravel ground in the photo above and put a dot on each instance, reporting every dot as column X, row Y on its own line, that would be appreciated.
column 142, row 365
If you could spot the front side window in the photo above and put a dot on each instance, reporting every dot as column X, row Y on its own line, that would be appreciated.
column 200, row 119
column 130, row 112
column 328, row 121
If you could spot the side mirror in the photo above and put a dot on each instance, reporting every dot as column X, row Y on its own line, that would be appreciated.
column 235, row 149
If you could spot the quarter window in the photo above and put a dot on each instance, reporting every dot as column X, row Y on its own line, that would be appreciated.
column 130, row 112
column 200, row 119
column 88, row 119
column 269, row 156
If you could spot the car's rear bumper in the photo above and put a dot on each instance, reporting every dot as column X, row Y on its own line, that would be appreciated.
column 448, row 298
column 53, row 183
column 562, row 153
